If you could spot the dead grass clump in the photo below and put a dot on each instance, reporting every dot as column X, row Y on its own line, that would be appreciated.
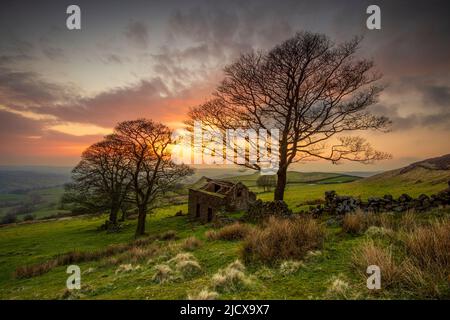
column 338, row 289
column 354, row 223
column 369, row 254
column 163, row 273
column 182, row 256
column 429, row 246
column 230, row 279
column 408, row 221
column 232, row 232
column 283, row 239
column 204, row 294
column 191, row 243
column 211, row 235
column 290, row 267
column 168, row 235
column 124, row 268
column 188, row 268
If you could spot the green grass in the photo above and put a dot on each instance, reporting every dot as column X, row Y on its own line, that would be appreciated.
column 34, row 243
column 48, row 205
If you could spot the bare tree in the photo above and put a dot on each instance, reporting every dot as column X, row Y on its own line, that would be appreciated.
column 152, row 171
column 101, row 178
column 309, row 88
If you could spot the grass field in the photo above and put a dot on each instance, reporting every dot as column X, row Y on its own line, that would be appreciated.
column 47, row 205
column 28, row 244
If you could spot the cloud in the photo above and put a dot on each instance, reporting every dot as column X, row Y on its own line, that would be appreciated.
column 137, row 33
column 27, row 88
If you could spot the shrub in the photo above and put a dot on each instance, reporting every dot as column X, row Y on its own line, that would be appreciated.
column 163, row 273
column 235, row 231
column 28, row 217
column 9, row 218
column 283, row 239
column 370, row 253
column 204, row 294
column 191, row 243
column 230, row 279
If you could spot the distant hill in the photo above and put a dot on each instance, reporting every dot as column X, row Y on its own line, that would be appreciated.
column 432, row 171
column 19, row 180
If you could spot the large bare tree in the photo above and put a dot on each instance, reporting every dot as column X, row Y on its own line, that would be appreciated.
column 310, row 89
column 101, row 178
column 152, row 171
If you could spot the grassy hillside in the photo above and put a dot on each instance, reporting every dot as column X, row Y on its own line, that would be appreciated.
column 104, row 278
column 294, row 177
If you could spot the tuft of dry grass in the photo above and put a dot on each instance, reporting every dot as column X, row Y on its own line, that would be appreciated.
column 168, row 235
column 182, row 256
column 283, row 239
column 163, row 273
column 358, row 222
column 232, row 232
column 290, row 267
column 191, row 243
column 204, row 294
column 424, row 270
column 339, row 289
column 188, row 268
column 429, row 246
column 354, row 223
column 123, row 268
column 230, row 279
column 408, row 221
column 369, row 253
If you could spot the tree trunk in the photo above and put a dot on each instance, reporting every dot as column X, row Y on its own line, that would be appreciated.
column 140, row 229
column 281, row 183
column 113, row 215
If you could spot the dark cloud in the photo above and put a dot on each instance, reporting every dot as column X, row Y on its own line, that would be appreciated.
column 115, row 59
column 53, row 53
column 137, row 33
column 437, row 95
column 27, row 88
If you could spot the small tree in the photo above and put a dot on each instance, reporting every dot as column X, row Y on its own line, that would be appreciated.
column 151, row 170
column 101, row 179
column 267, row 182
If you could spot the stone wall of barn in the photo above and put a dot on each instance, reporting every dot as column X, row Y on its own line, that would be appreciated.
column 204, row 206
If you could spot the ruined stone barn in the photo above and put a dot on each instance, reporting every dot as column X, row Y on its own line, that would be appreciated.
column 218, row 195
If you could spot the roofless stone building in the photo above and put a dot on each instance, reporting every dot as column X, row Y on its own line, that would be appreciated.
column 218, row 195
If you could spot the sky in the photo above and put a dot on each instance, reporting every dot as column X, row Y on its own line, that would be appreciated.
column 62, row 90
